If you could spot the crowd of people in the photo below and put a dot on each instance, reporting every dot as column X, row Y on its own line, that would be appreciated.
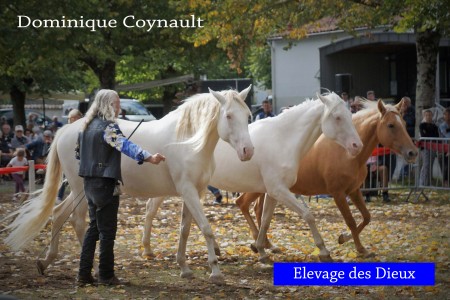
column 23, row 144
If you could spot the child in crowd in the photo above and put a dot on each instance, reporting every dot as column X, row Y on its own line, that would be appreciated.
column 18, row 160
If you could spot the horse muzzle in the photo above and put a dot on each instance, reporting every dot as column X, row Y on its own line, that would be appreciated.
column 354, row 148
column 410, row 155
column 246, row 153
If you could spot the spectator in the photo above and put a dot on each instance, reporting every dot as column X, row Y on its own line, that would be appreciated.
column 6, row 152
column 19, row 140
column 40, row 147
column 377, row 171
column 429, row 130
column 18, row 160
column 73, row 116
column 123, row 113
column 267, row 111
column 28, row 133
column 346, row 99
column 444, row 130
column 7, row 134
column 371, row 95
column 409, row 116
column 55, row 123
column 216, row 192
column 31, row 119
column 3, row 121
column 356, row 105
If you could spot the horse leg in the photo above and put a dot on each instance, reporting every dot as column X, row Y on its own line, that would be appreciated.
column 61, row 213
column 243, row 202
column 286, row 197
column 151, row 209
column 269, row 208
column 185, row 228
column 357, row 200
column 258, row 208
column 194, row 209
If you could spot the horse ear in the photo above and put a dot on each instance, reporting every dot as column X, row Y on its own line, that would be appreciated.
column 381, row 107
column 243, row 94
column 218, row 96
column 399, row 105
column 323, row 99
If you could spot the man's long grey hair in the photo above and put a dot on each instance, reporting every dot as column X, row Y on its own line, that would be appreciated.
column 102, row 107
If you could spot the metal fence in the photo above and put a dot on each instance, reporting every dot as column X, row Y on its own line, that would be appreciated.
column 388, row 171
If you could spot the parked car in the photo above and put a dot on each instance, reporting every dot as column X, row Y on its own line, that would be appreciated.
column 135, row 110
column 41, row 120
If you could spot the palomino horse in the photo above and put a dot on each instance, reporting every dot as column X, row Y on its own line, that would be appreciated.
column 280, row 144
column 186, row 136
column 327, row 170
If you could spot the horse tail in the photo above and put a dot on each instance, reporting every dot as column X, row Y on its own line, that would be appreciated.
column 35, row 212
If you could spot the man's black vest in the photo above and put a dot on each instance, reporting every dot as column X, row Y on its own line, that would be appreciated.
column 97, row 158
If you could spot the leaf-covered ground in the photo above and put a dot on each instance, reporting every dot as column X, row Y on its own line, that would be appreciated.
column 398, row 232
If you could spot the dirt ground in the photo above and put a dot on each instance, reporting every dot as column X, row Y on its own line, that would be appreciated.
column 399, row 231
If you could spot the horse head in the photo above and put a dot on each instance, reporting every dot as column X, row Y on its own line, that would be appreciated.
column 337, row 124
column 392, row 132
column 233, row 121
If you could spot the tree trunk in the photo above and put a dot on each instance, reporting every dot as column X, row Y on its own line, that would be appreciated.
column 107, row 75
column 18, row 102
column 427, row 47
column 105, row 71
column 167, row 101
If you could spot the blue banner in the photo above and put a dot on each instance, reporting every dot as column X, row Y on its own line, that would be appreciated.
column 353, row 273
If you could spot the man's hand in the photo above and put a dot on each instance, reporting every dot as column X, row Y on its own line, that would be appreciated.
column 155, row 158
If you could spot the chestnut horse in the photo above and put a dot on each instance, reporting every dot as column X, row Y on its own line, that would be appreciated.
column 326, row 169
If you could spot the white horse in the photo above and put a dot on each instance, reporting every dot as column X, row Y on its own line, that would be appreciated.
column 186, row 136
column 281, row 142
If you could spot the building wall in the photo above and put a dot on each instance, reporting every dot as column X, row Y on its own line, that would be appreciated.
column 370, row 71
column 381, row 61
column 296, row 72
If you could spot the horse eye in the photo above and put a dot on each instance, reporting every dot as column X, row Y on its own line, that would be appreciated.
column 228, row 117
column 338, row 118
column 390, row 125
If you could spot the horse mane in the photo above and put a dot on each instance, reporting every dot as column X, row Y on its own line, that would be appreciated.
column 199, row 115
column 306, row 103
column 370, row 108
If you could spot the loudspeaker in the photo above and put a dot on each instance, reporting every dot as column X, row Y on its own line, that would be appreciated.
column 343, row 83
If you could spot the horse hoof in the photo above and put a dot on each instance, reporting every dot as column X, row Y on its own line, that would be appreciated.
column 325, row 258
column 275, row 250
column 341, row 239
column 217, row 251
column 40, row 267
column 368, row 255
column 253, row 247
column 187, row 274
column 148, row 256
column 217, row 279
column 265, row 260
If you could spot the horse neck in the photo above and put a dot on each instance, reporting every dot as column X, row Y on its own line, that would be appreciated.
column 304, row 127
column 367, row 130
